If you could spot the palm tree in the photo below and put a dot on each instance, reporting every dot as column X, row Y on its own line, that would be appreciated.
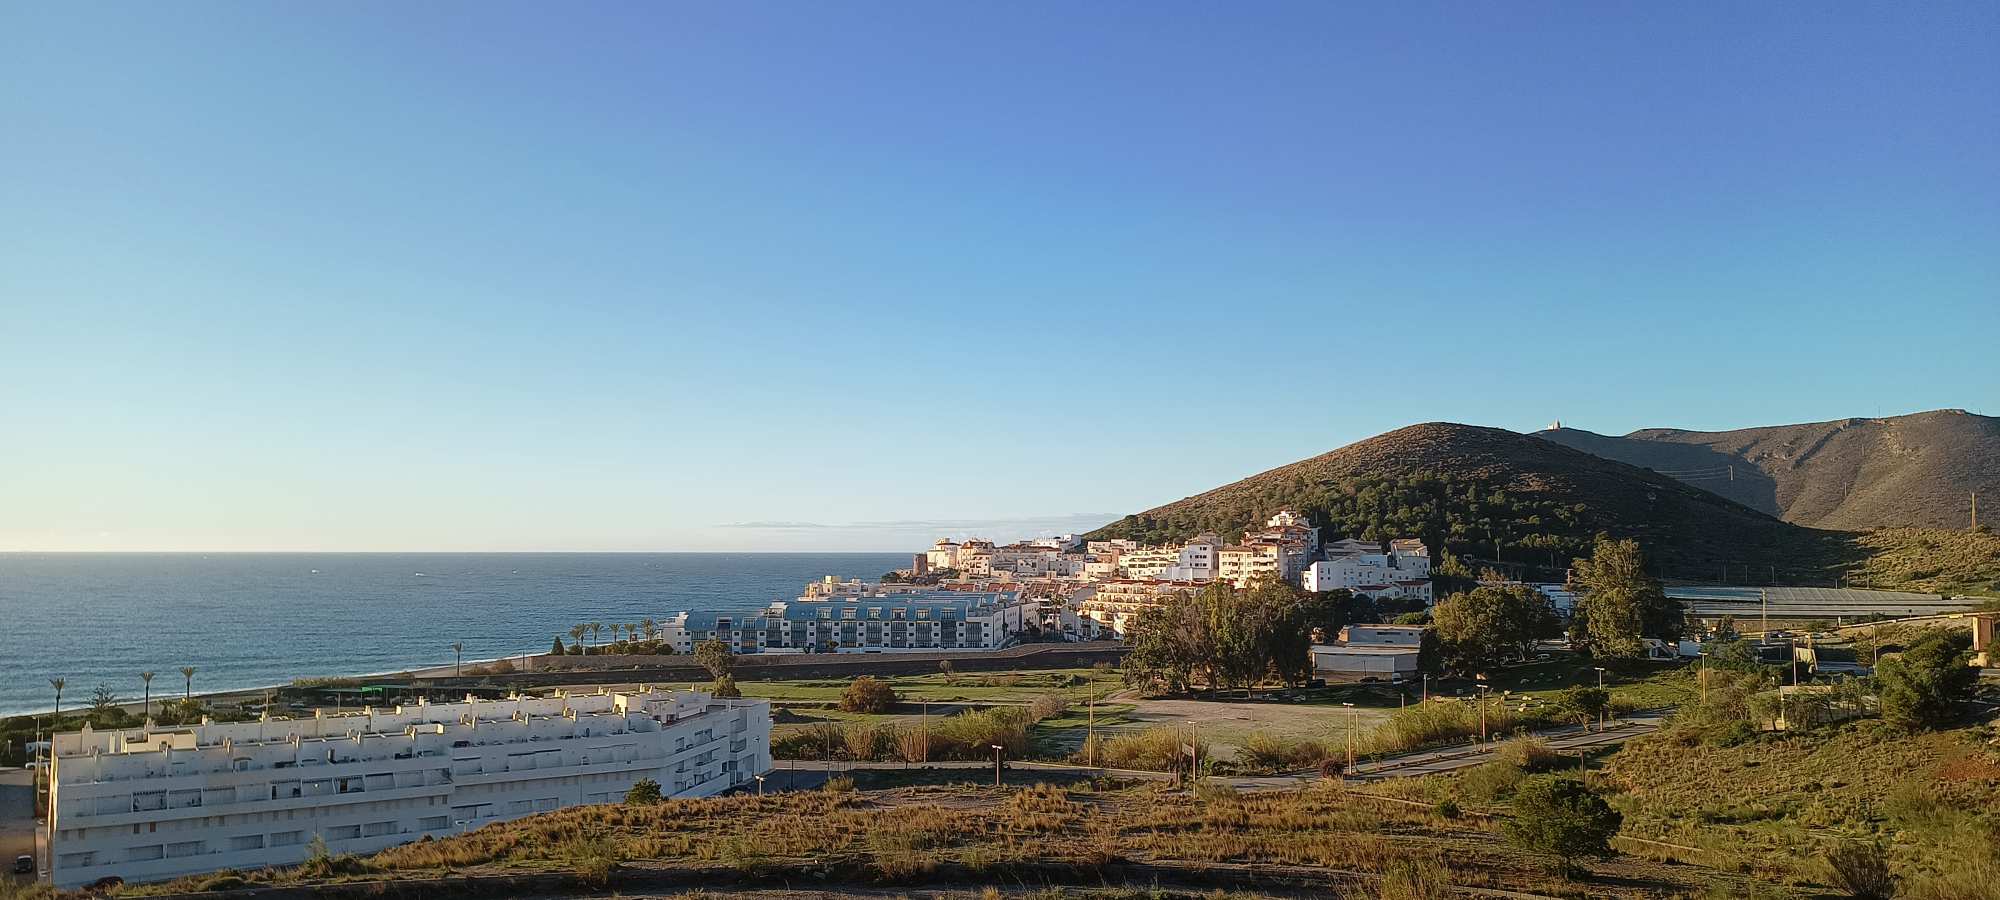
column 57, row 683
column 458, row 661
column 616, row 629
column 187, row 690
column 632, row 632
column 597, row 631
column 652, row 628
column 147, row 677
column 577, row 633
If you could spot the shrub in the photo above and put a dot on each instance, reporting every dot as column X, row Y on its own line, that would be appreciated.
column 1927, row 684
column 913, row 743
column 864, row 741
column 1529, row 755
column 1447, row 808
column 644, row 791
column 1157, row 749
column 1491, row 781
column 868, row 694
column 971, row 735
column 1561, row 819
column 1861, row 871
column 840, row 784
column 1268, row 753
column 725, row 687
column 1048, row 706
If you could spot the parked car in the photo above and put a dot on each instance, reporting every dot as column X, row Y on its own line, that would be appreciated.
column 24, row 865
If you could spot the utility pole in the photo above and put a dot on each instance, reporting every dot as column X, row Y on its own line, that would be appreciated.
column 1350, row 736
column 1090, row 735
column 1765, row 597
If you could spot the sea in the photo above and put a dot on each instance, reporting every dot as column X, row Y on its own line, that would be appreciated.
column 249, row 620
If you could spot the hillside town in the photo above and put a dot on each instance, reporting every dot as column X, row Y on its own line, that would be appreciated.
column 974, row 594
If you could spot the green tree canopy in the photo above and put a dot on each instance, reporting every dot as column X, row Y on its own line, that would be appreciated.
column 1928, row 683
column 1479, row 630
column 1559, row 818
column 714, row 656
column 1619, row 602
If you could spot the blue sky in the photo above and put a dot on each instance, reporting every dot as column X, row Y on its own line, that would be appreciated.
column 465, row 276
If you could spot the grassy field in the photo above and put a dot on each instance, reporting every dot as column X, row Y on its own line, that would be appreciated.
column 1087, row 835
column 1930, row 559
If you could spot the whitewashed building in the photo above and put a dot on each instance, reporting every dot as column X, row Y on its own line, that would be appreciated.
column 148, row 804
column 1403, row 571
column 908, row 619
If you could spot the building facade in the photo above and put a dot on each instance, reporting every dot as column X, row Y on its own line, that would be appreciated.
column 151, row 804
column 910, row 619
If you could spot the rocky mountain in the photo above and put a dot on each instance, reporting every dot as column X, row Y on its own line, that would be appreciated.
column 1852, row 474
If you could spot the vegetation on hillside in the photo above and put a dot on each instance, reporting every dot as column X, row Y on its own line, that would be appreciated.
column 1505, row 499
column 1039, row 833
column 1930, row 559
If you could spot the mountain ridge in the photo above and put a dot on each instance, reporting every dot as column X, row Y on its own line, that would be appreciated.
column 1850, row 474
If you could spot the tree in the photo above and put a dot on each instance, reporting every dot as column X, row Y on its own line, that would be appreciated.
column 57, row 683
column 1478, row 631
column 147, row 678
column 1585, row 704
column 556, row 649
column 714, row 655
column 1619, row 602
column 577, row 632
column 868, row 694
column 187, row 688
column 945, row 669
column 1928, row 683
column 725, row 687
column 103, row 699
column 644, row 792
column 1559, row 818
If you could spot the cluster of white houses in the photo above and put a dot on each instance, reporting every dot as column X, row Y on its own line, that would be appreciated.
column 153, row 803
column 976, row 595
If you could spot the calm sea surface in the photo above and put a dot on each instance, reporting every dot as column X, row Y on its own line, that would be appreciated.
column 247, row 620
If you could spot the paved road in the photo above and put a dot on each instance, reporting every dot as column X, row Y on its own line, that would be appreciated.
column 1575, row 737
column 17, row 819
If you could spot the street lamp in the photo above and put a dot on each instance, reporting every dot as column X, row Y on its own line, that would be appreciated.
column 1607, row 700
column 1350, row 735
column 760, row 784
column 1482, row 709
column 996, row 764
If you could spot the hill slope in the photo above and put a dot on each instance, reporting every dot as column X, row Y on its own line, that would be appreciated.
column 1495, row 493
column 1917, row 469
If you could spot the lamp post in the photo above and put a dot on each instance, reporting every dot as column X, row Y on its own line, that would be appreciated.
column 1350, row 735
column 1482, row 710
column 1090, row 733
column 1704, row 677
column 996, row 764
column 1607, row 700
column 760, row 784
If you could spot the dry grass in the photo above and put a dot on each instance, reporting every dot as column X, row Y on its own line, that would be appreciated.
column 958, row 833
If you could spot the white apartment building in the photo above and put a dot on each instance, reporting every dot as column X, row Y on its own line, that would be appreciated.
column 1193, row 561
column 912, row 619
column 1108, row 609
column 1363, row 567
column 149, row 804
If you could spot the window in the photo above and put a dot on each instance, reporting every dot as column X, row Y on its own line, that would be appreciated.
column 434, row 823
column 144, row 853
column 79, row 860
column 186, row 848
column 247, row 842
column 343, row 832
column 378, row 829
column 288, row 838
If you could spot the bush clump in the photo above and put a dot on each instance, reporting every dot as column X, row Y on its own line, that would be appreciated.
column 868, row 694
